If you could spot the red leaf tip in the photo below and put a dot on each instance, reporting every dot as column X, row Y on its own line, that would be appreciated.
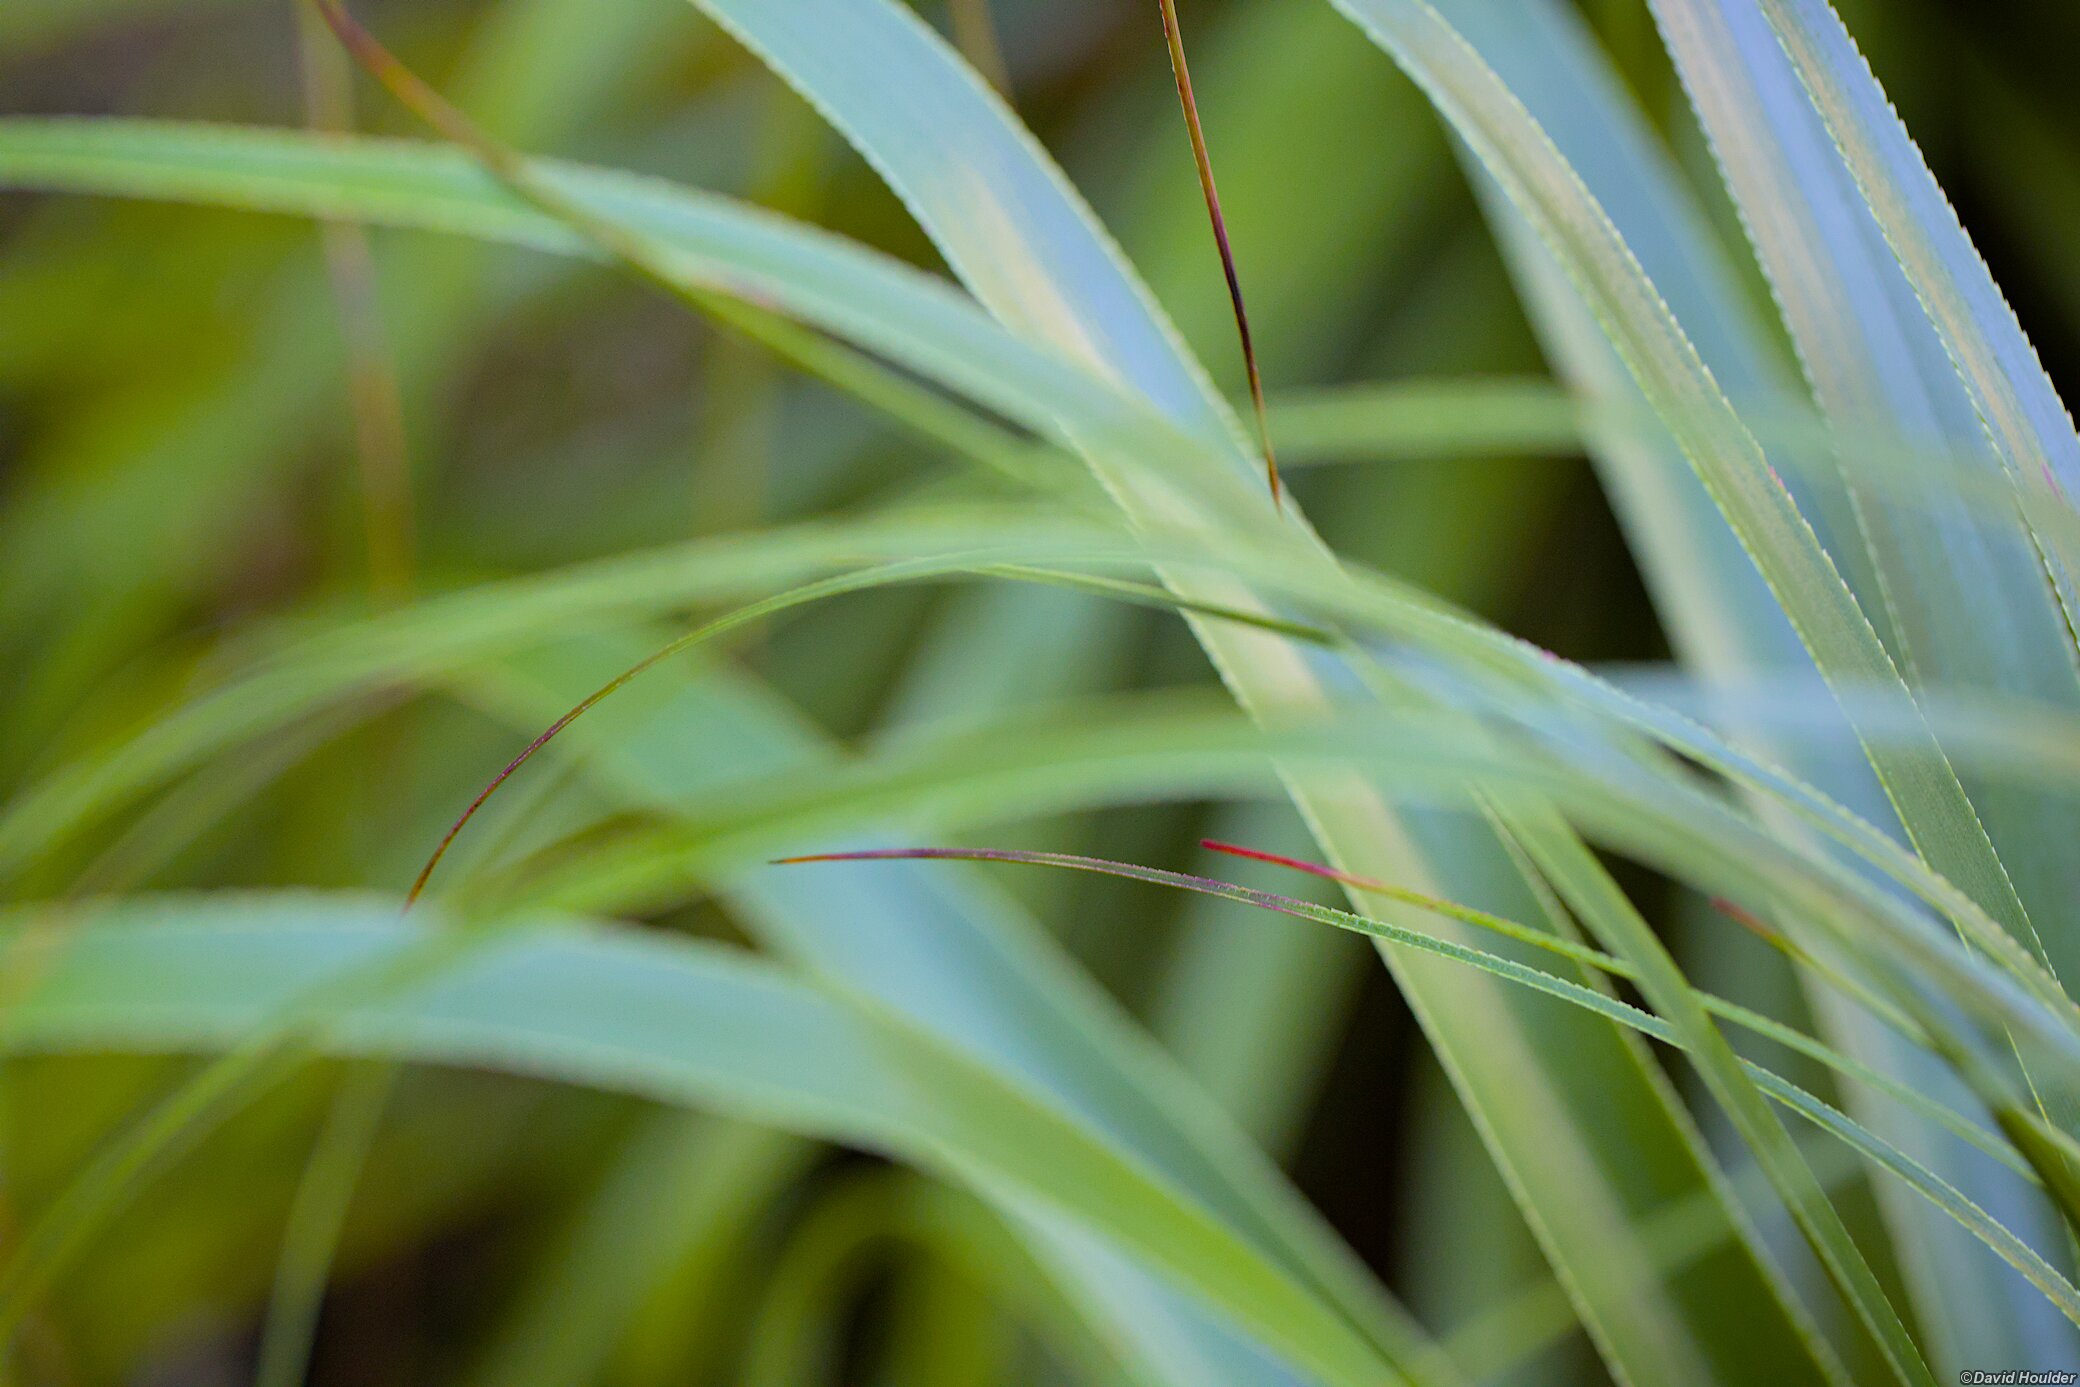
column 1275, row 859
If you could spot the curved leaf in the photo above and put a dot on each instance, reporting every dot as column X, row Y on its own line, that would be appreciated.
column 637, row 1013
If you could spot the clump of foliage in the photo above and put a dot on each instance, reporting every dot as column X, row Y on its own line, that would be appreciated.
column 716, row 1040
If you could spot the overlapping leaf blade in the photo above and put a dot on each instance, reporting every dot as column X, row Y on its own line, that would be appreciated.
column 1719, row 614
column 1017, row 234
column 958, row 960
column 1968, row 594
column 666, row 1019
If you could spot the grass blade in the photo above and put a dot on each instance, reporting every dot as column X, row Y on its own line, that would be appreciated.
column 1173, row 36
column 2028, row 423
column 1023, row 242
column 665, row 1019
column 2004, row 1242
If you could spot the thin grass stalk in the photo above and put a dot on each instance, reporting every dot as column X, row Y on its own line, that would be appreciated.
column 333, row 1169
column 1173, row 36
column 317, row 1215
column 381, row 448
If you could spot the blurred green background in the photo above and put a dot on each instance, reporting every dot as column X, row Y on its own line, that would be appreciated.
column 207, row 426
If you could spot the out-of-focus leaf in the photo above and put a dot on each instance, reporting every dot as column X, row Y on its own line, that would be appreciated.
column 680, row 1186
column 671, row 1020
column 957, row 959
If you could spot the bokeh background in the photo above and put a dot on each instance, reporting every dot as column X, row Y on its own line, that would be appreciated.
column 204, row 428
